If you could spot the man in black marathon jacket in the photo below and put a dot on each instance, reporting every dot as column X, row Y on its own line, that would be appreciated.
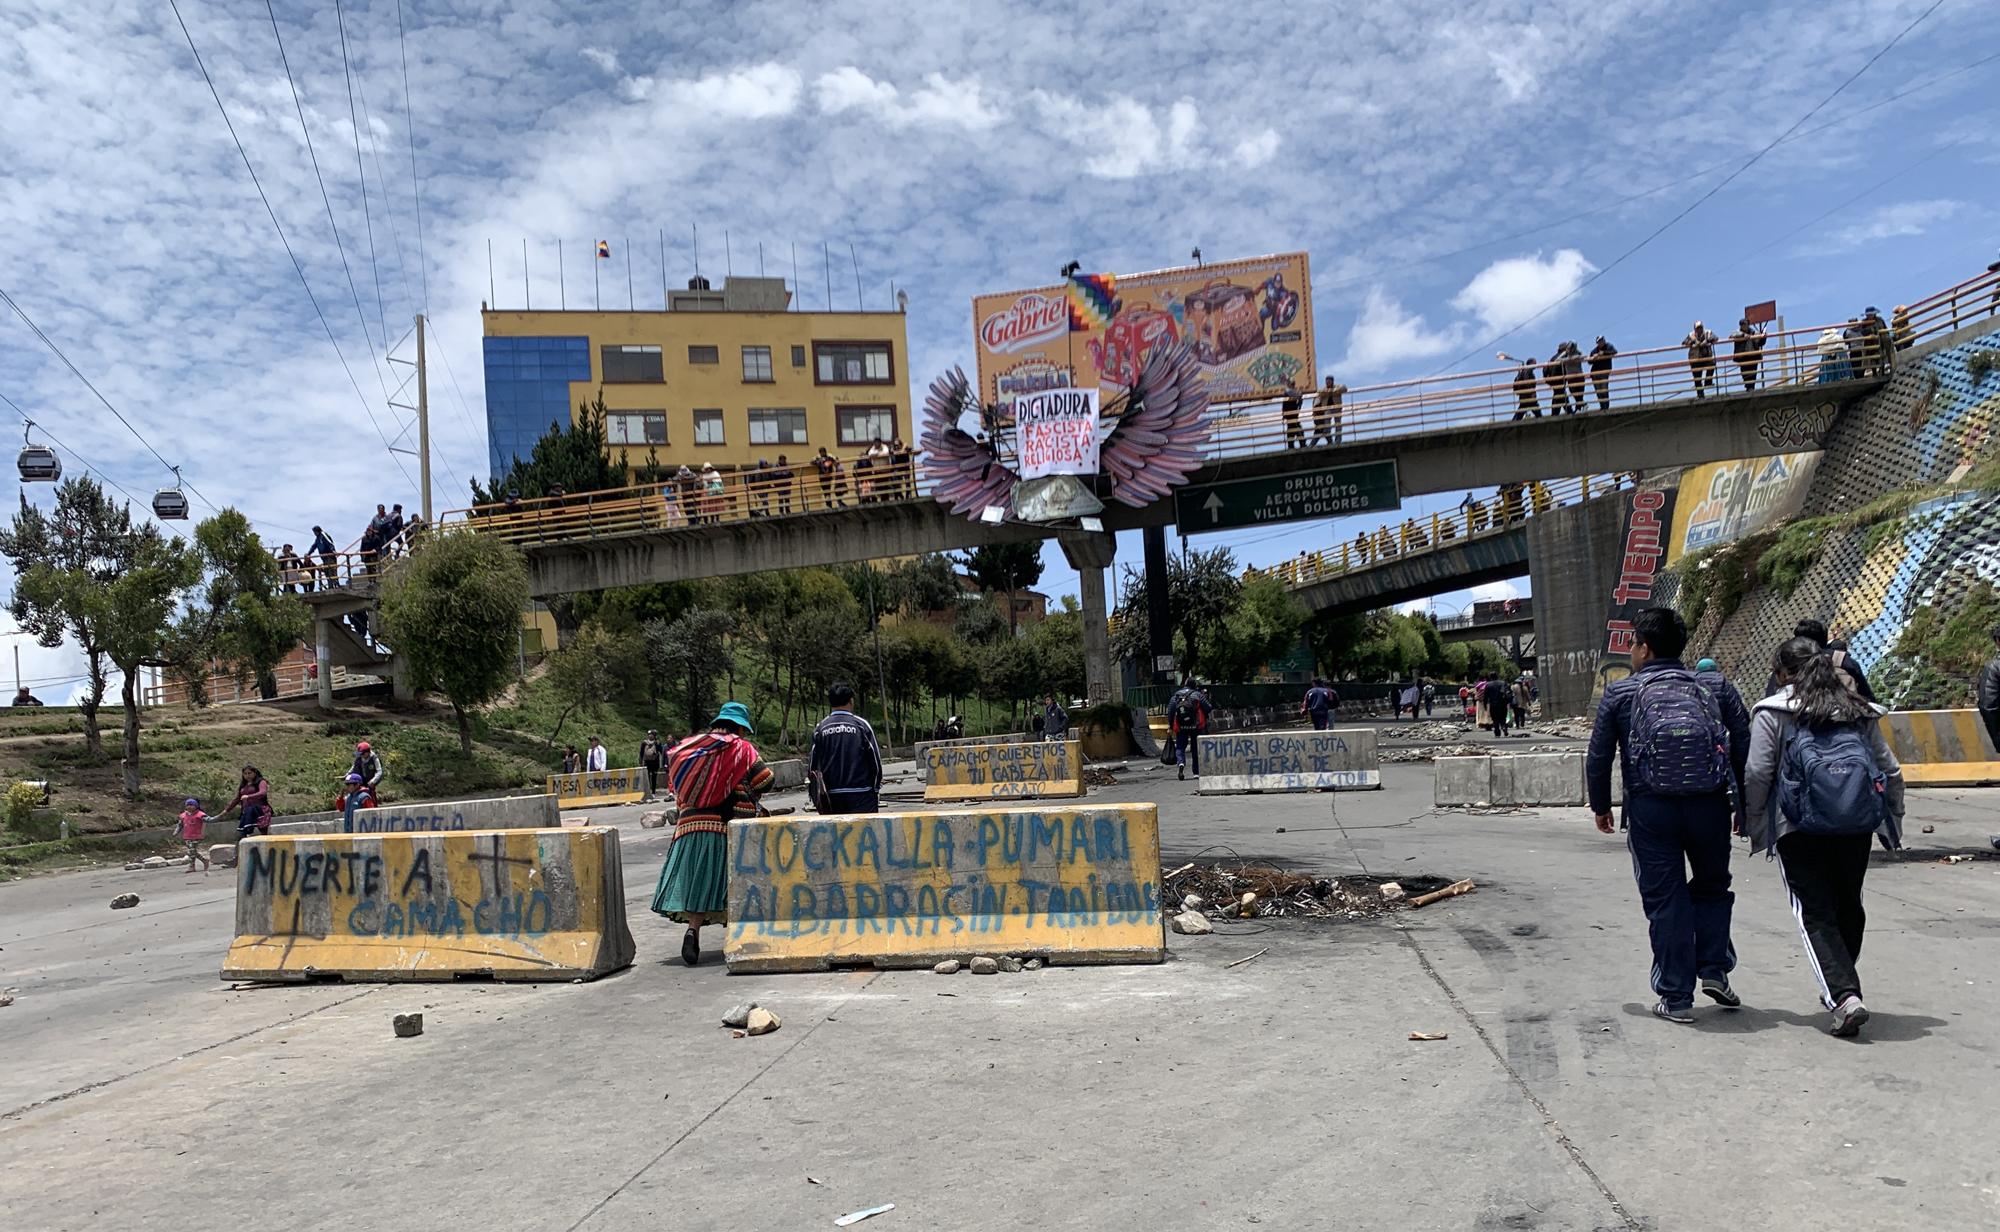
column 845, row 764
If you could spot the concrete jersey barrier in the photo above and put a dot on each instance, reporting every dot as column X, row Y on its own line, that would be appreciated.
column 496, row 813
column 1514, row 779
column 1942, row 748
column 1344, row 758
column 504, row 904
column 1072, row 885
column 1032, row 770
column 923, row 766
column 625, row 785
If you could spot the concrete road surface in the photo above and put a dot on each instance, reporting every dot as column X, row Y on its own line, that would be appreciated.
column 138, row 1091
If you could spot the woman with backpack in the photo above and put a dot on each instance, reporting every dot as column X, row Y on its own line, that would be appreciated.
column 715, row 776
column 1820, row 787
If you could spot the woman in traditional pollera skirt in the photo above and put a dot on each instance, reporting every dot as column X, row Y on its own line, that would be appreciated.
column 715, row 776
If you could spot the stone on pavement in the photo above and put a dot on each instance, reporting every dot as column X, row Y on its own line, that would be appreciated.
column 983, row 965
column 407, row 1025
column 739, row 1015
column 1009, row 963
column 761, row 1022
column 1191, row 924
column 948, row 967
column 123, row 901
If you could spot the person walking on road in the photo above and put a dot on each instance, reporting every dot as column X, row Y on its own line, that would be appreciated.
column 1746, row 350
column 597, row 759
column 716, row 776
column 1499, row 700
column 1055, row 720
column 188, row 829
column 1319, row 704
column 1187, row 718
column 1710, row 674
column 1681, row 748
column 1601, row 356
column 252, row 802
column 1820, row 786
column 844, row 764
column 1295, row 433
column 1700, row 343
column 1986, row 694
column 572, row 762
column 1326, row 412
column 652, row 753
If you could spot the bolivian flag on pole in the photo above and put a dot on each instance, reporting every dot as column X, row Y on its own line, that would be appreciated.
column 1091, row 301
column 604, row 250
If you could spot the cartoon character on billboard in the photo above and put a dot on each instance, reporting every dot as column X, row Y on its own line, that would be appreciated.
column 1280, row 306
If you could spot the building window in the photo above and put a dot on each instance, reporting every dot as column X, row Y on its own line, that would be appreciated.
column 798, row 357
column 853, row 363
column 757, row 363
column 777, row 427
column 631, row 363
column 704, row 355
column 708, row 427
column 860, row 425
column 636, row 427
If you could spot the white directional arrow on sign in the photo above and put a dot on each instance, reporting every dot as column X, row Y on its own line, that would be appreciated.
column 1214, row 507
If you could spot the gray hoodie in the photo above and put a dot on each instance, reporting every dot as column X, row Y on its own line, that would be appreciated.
column 1771, row 725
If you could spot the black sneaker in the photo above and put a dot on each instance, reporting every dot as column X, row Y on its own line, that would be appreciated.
column 1661, row 1011
column 1849, row 1017
column 691, row 948
column 1180, row 772
column 1722, row 994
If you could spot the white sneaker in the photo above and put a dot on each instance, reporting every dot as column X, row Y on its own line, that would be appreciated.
column 1849, row 1017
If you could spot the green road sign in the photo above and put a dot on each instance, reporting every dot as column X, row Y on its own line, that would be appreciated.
column 1366, row 487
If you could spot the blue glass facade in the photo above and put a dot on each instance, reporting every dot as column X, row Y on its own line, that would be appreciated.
column 527, row 389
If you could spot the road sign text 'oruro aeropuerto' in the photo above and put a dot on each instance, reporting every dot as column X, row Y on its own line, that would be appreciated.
column 1366, row 487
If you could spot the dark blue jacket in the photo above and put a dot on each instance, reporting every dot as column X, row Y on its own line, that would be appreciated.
column 844, row 753
column 1612, row 731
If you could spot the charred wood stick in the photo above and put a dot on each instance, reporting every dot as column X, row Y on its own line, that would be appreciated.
column 1453, row 890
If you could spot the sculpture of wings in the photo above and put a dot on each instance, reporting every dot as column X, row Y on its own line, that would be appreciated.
column 1156, row 443
column 959, row 457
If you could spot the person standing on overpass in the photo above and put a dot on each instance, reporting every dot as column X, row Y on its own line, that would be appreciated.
column 1187, row 718
column 1682, row 748
column 1601, row 356
column 844, row 765
column 1700, row 343
column 1326, row 412
column 1295, row 433
column 1524, row 390
column 1320, row 704
column 1746, row 350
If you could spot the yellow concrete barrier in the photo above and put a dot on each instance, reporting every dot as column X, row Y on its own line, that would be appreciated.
column 1036, row 769
column 1071, row 885
column 1942, row 748
column 622, row 786
column 504, row 904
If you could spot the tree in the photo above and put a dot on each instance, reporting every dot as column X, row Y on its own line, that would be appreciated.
column 62, row 561
column 1056, row 646
column 1265, row 625
column 240, row 620
column 453, row 613
column 686, row 654
column 135, row 614
column 977, row 624
column 584, row 674
column 575, row 457
column 1007, row 568
column 1202, row 590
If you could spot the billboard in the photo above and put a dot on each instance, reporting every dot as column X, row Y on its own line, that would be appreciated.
column 1721, row 502
column 1248, row 323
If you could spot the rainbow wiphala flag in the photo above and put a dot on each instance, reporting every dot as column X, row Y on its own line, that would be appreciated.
column 1091, row 301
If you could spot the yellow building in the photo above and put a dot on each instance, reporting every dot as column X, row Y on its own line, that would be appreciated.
column 723, row 376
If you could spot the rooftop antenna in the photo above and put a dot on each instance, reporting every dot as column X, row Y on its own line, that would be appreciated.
column 697, row 248
column 857, row 276
column 826, row 257
column 663, row 269
column 1196, row 254
column 728, row 255
column 760, row 258
column 795, row 275
column 562, row 280
column 631, row 302
column 526, row 294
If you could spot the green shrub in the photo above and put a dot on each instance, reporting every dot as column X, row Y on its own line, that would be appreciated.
column 1795, row 550
column 22, row 800
column 1106, row 716
column 1979, row 363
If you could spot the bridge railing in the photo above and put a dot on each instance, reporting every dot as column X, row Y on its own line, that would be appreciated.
column 1248, row 428
column 1474, row 519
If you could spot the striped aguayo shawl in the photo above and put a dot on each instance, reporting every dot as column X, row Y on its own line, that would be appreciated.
column 714, row 776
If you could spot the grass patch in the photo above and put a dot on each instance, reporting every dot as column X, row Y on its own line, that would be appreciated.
column 1945, row 650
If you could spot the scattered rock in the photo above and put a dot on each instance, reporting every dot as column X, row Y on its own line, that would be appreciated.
column 407, row 1025
column 1193, row 902
column 153, row 862
column 1247, row 905
column 1033, row 964
column 223, row 855
column 1191, row 924
column 983, row 966
column 1391, row 891
column 761, row 1022
column 1930, row 829
column 948, row 967
column 6, row 999
column 654, row 820
column 1011, row 966
column 135, row 866
column 739, row 1015
column 1429, row 1036
column 123, row 901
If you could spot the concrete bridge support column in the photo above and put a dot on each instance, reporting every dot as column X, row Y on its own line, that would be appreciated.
column 1091, row 555
column 323, row 661
column 1159, row 613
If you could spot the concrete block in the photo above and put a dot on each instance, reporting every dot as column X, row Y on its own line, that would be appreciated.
column 1511, row 780
column 506, row 904
column 1079, row 885
column 625, row 785
column 788, row 774
column 1546, row 778
column 1031, row 770
column 922, row 746
column 1464, row 780
column 494, row 813
column 1342, row 759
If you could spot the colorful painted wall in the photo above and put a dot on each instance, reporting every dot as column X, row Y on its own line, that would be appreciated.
column 1909, row 487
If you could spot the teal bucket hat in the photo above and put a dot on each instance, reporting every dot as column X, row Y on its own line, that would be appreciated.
column 734, row 712
column 1706, row 665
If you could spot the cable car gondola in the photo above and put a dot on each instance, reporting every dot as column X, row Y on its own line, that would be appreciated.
column 38, row 463
column 171, row 504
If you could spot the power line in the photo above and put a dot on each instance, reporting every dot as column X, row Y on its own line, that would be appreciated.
column 416, row 184
column 1698, row 201
column 51, row 345
column 388, row 211
column 361, row 170
column 87, row 464
column 279, row 227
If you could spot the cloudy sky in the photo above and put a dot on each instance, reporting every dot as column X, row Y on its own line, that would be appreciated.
column 1452, row 168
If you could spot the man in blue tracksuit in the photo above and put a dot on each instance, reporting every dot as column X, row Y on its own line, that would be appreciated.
column 1320, row 703
column 845, row 764
column 1682, row 745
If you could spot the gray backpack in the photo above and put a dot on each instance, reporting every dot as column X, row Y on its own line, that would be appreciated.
column 1829, row 782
